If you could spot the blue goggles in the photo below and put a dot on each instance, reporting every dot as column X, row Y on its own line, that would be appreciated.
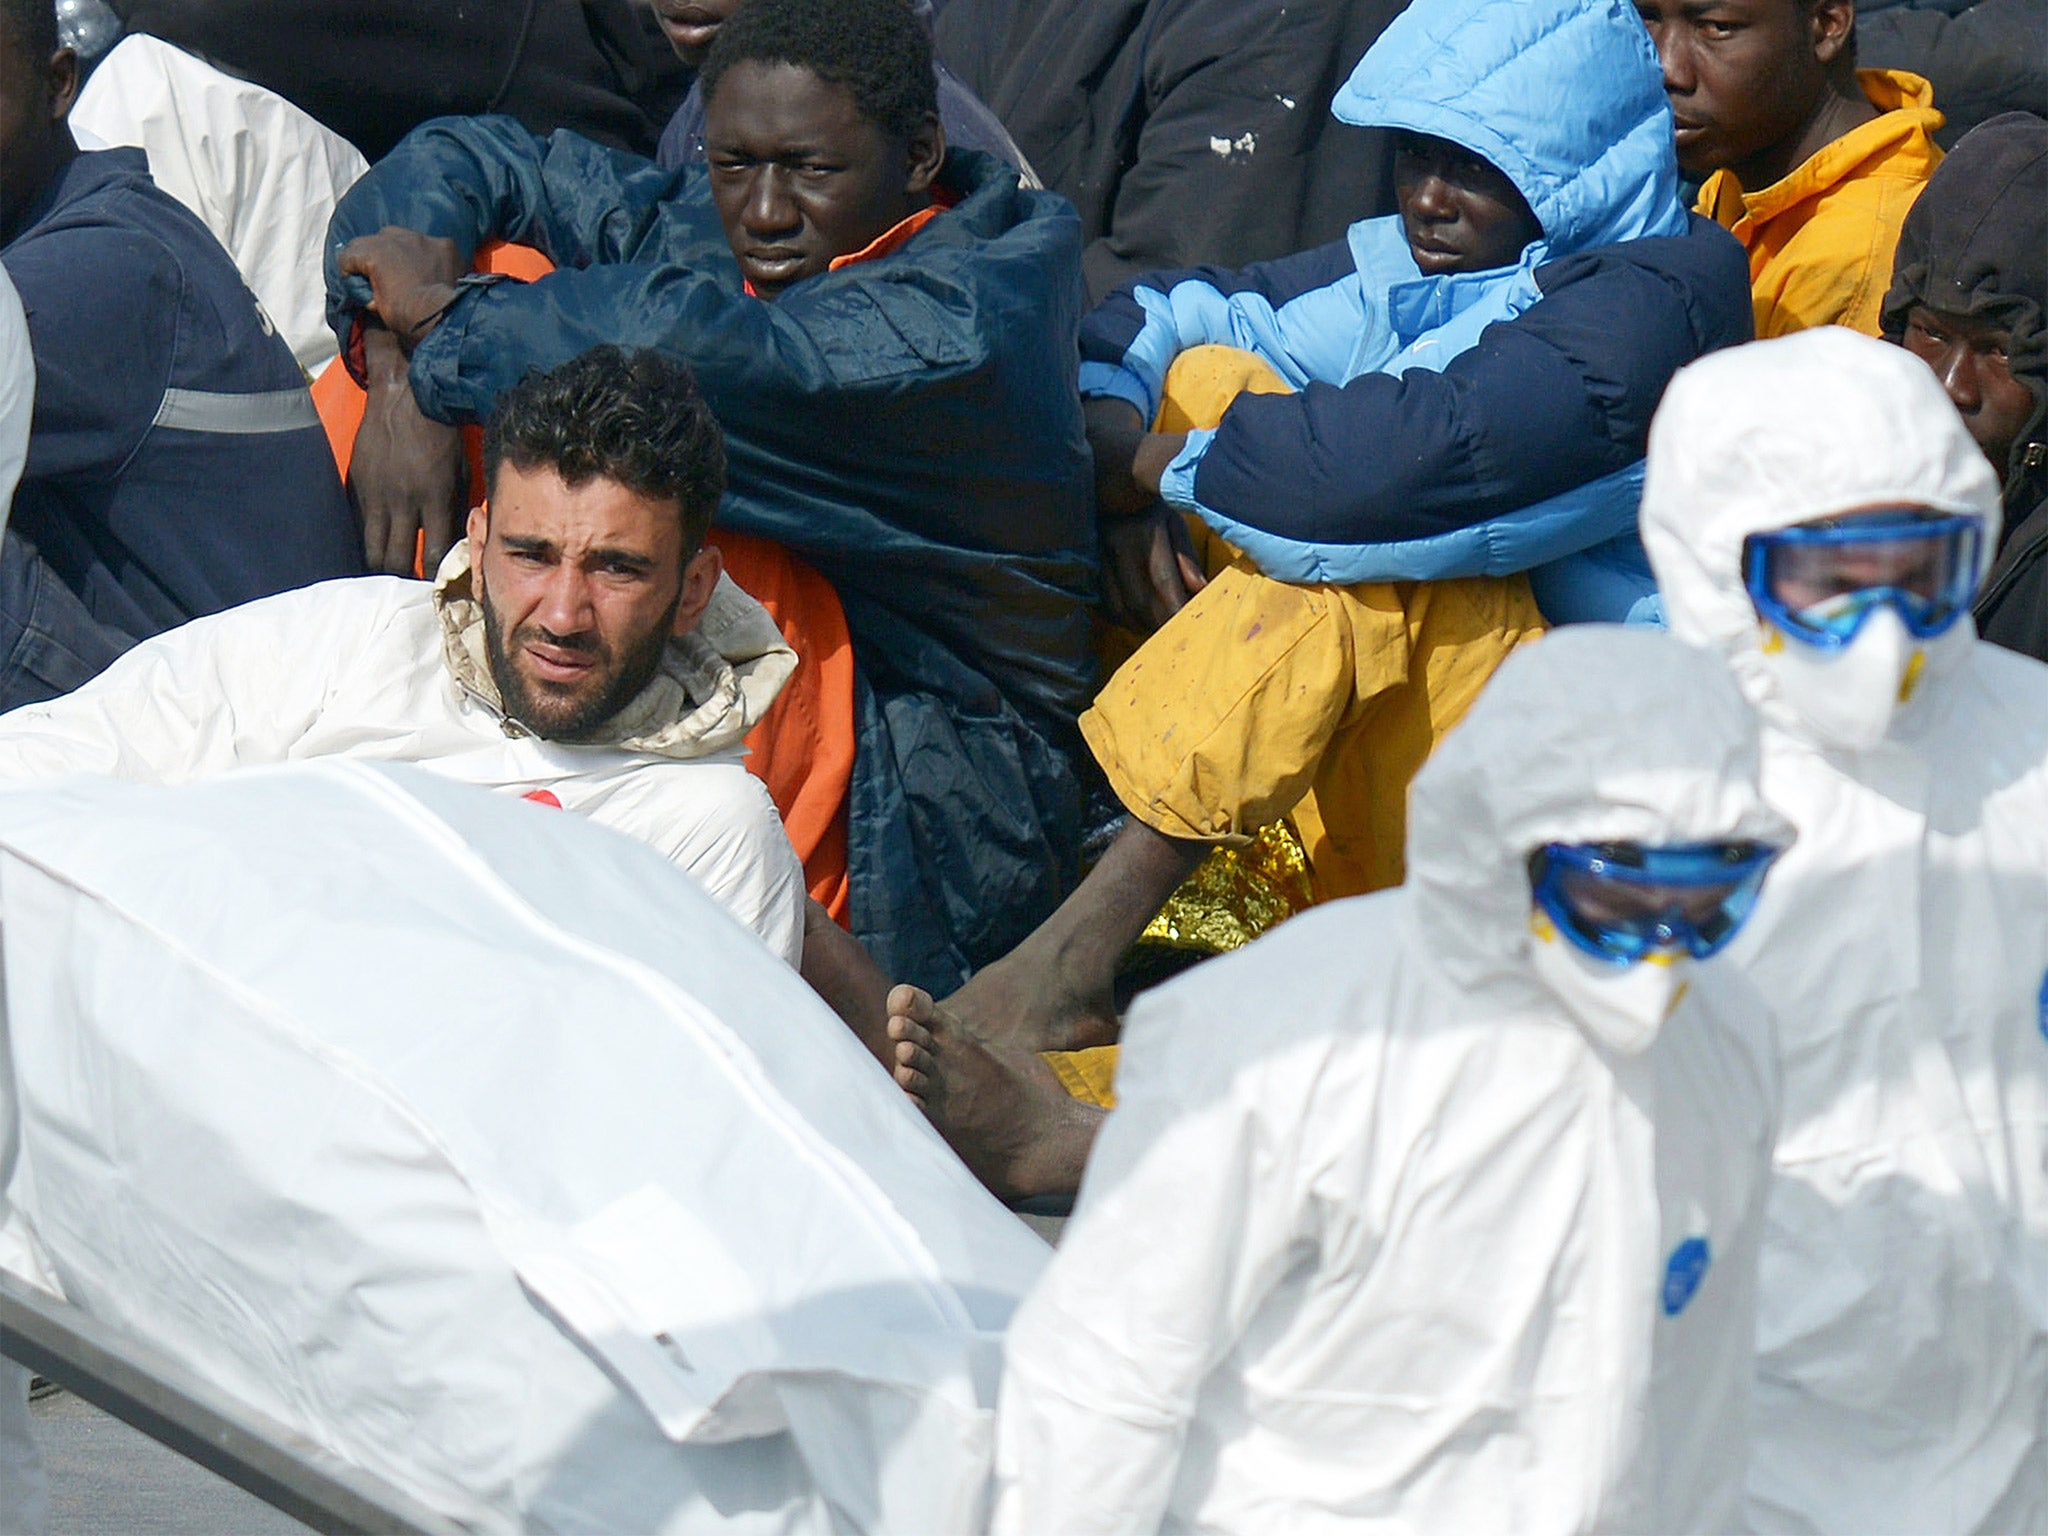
column 1821, row 581
column 1620, row 901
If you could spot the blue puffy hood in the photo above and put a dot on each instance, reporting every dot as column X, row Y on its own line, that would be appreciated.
column 1564, row 96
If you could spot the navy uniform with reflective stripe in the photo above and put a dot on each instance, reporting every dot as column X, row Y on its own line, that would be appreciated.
column 176, row 466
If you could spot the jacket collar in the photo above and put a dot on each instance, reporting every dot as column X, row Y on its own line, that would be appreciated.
column 714, row 685
column 89, row 171
column 1900, row 138
column 892, row 239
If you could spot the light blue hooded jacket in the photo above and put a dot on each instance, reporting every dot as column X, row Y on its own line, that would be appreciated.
column 1566, row 99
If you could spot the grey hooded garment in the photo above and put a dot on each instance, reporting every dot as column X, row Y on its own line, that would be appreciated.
column 1976, row 245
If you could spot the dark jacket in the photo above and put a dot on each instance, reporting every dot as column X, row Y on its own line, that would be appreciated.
column 908, row 424
column 372, row 70
column 1976, row 244
column 1981, row 59
column 1558, row 396
column 1185, row 132
column 2012, row 608
column 176, row 466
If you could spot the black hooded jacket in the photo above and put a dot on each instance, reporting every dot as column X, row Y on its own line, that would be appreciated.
column 1982, row 58
column 1976, row 244
column 372, row 70
column 1185, row 132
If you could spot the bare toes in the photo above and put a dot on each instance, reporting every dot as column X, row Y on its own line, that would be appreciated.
column 911, row 1035
column 914, row 1066
column 908, row 1002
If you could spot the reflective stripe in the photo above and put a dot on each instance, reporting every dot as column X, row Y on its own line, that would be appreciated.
column 199, row 410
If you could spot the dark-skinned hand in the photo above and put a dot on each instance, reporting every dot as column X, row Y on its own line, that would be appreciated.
column 407, row 473
column 412, row 279
column 1115, row 429
column 1149, row 570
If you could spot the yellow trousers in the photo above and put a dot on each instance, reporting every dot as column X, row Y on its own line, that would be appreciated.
column 1262, row 700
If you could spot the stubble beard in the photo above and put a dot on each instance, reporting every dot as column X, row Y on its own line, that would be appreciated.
column 572, row 715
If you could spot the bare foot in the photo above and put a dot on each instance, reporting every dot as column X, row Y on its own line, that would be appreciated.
column 1055, row 991
column 1023, row 1002
column 999, row 1107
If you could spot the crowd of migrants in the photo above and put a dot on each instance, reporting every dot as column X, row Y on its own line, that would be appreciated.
column 1559, row 487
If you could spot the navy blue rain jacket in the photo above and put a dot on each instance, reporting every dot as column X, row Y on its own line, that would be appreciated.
column 176, row 465
column 908, row 424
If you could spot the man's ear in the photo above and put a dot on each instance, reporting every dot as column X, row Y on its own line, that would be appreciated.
column 63, row 80
column 700, row 580
column 478, row 531
column 1833, row 26
column 927, row 154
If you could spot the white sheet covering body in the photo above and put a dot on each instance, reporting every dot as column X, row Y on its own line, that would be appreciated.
column 258, row 172
column 359, row 668
column 24, row 1504
column 483, row 1147
column 1378, row 1238
column 1903, row 1344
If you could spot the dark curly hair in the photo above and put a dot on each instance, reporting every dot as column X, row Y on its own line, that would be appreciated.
column 31, row 25
column 635, row 418
column 877, row 49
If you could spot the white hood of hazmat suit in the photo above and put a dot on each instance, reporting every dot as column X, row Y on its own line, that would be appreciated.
column 1903, row 943
column 1379, row 1236
column 1763, row 437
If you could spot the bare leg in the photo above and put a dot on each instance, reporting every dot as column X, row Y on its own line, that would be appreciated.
column 840, row 971
column 1053, row 991
column 998, row 1106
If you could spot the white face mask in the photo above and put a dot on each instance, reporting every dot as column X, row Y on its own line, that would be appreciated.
column 1621, row 1006
column 1847, row 699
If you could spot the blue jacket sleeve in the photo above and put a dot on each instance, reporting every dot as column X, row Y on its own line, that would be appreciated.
column 1131, row 338
column 854, row 341
column 1557, row 397
column 475, row 179
column 494, row 335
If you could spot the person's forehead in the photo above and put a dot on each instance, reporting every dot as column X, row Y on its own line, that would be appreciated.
column 538, row 504
column 1736, row 10
column 1446, row 154
column 786, row 105
column 1746, row 12
column 1973, row 328
column 1408, row 141
column 1906, row 518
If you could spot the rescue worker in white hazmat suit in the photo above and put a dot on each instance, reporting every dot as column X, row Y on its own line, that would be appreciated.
column 1816, row 512
column 1437, row 1209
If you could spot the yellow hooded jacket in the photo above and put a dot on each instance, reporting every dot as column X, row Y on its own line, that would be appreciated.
column 1820, row 241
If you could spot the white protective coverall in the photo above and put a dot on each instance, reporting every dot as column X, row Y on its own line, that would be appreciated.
column 1903, row 1325
column 23, row 1499
column 483, row 1148
column 376, row 667
column 1378, row 1238
column 257, row 171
